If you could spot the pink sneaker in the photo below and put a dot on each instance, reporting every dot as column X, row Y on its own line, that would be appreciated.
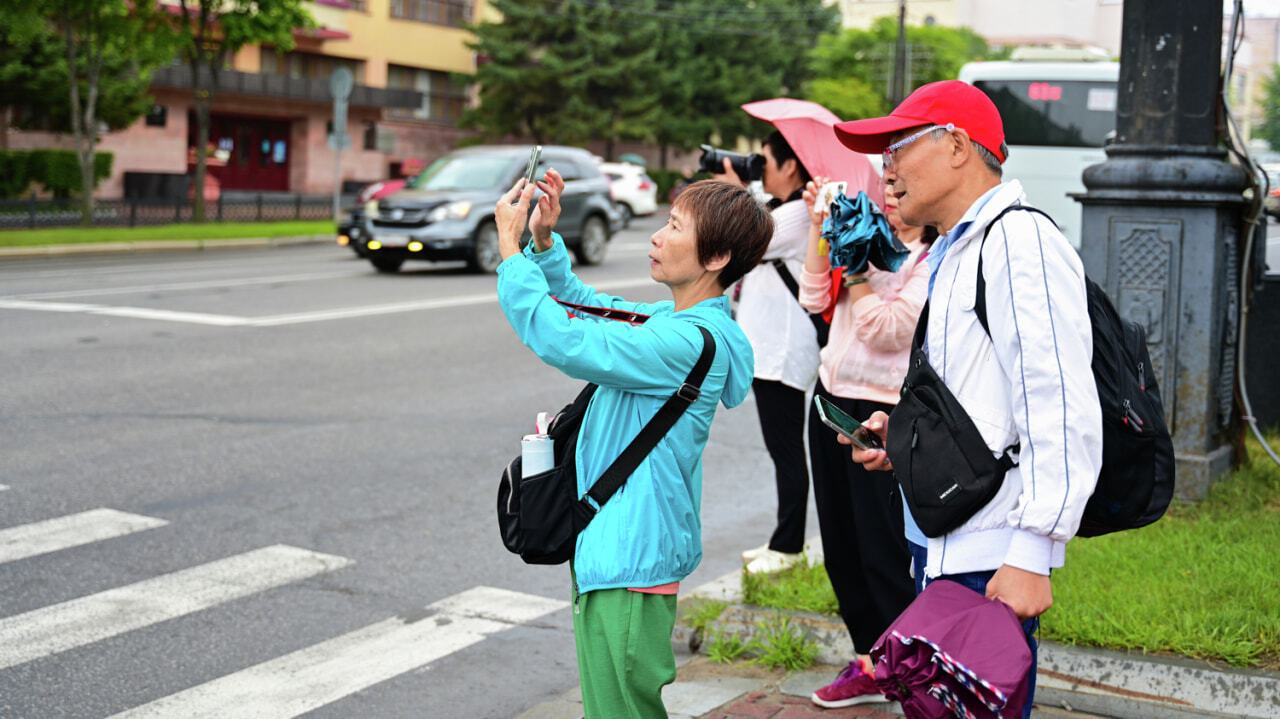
column 853, row 685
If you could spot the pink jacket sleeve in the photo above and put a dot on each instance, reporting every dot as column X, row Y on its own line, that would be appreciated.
column 815, row 291
column 888, row 324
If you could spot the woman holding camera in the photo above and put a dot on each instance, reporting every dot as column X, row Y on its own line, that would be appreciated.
column 860, row 513
column 786, row 348
column 630, row 558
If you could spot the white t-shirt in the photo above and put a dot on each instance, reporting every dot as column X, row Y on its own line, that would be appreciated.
column 780, row 331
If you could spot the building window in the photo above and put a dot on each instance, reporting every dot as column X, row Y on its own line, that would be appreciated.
column 443, row 100
column 157, row 116
column 437, row 12
column 306, row 64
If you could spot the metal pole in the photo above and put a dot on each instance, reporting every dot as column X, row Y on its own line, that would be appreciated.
column 337, row 178
column 900, row 56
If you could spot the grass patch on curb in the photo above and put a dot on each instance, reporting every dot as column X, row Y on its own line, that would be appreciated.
column 776, row 644
column 799, row 586
column 1202, row 582
column 155, row 233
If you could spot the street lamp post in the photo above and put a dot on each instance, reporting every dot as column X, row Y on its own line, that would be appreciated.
column 1161, row 223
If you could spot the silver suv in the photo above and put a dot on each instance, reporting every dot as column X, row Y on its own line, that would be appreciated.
column 446, row 213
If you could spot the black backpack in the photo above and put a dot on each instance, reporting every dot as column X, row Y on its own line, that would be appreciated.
column 1135, row 484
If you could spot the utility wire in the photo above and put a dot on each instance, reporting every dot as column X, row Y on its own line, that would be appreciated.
column 1251, row 222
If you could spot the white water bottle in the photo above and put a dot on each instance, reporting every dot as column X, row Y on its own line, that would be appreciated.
column 536, row 454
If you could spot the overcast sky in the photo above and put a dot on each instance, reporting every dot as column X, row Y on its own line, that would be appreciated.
column 1254, row 8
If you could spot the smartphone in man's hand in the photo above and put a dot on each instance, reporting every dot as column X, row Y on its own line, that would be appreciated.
column 836, row 419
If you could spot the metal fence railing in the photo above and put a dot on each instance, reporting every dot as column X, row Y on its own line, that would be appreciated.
column 33, row 214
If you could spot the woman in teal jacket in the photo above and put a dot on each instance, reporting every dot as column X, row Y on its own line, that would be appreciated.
column 647, row 537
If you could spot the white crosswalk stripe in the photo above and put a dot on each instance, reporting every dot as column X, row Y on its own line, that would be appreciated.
column 309, row 678
column 57, row 628
column 51, row 535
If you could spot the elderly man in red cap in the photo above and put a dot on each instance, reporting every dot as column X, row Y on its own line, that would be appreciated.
column 1025, row 378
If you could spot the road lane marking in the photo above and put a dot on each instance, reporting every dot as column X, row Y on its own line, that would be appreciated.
column 185, row 286
column 74, row 530
column 326, row 672
column 203, row 318
column 59, row 627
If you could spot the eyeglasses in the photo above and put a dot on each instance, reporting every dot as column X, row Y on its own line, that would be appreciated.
column 888, row 151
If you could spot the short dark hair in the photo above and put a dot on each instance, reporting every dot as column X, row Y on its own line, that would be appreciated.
column 782, row 152
column 727, row 221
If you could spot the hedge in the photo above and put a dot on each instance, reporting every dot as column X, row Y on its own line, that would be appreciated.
column 58, row 171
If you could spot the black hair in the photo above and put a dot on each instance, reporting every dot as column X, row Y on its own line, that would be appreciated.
column 782, row 152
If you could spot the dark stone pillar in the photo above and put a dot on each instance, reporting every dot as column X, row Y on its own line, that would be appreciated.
column 1161, row 220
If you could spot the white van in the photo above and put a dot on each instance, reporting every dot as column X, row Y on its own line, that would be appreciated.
column 1057, row 117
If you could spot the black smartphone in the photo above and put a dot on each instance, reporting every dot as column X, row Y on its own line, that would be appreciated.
column 531, row 171
column 836, row 419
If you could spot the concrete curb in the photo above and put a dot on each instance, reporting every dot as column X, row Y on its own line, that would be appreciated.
column 1125, row 685
column 89, row 248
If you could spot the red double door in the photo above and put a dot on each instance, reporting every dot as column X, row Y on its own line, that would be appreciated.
column 249, row 153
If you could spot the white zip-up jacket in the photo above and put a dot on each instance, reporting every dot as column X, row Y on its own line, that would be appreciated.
column 1029, row 383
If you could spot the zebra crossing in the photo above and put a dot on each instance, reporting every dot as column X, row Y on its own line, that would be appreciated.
column 286, row 686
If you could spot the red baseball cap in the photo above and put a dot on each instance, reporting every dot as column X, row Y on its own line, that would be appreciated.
column 938, row 103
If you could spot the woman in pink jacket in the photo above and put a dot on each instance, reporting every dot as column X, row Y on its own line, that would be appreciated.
column 873, row 318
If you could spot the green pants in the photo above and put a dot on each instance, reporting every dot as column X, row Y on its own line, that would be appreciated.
column 624, row 652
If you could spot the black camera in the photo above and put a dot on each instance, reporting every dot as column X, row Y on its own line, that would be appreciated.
column 749, row 167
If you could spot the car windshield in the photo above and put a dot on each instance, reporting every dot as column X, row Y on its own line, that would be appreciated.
column 463, row 172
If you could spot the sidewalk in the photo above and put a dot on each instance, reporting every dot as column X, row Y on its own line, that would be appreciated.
column 1075, row 682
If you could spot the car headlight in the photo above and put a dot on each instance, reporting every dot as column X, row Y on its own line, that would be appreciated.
column 450, row 211
column 371, row 208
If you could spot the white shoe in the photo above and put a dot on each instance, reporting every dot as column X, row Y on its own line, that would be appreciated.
column 772, row 561
column 754, row 552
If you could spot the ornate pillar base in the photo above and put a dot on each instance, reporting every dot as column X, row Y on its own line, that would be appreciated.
column 1159, row 232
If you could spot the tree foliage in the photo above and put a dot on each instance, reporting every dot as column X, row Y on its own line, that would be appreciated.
column 668, row 71
column 854, row 69
column 209, row 32
column 77, row 64
column 1269, row 130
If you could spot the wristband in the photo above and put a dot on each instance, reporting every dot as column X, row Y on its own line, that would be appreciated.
column 855, row 281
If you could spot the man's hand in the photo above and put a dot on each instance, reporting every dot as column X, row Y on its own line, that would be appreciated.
column 1028, row 594
column 728, row 175
column 510, row 218
column 547, row 212
column 874, row 460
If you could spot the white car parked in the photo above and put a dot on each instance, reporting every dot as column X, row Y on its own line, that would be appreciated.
column 633, row 192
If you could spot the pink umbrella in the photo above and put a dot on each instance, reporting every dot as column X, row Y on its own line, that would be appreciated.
column 810, row 130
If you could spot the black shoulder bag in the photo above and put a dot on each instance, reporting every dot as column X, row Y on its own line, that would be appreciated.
column 939, row 457
column 540, row 516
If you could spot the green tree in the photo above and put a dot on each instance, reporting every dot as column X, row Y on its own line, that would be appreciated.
column 720, row 54
column 1269, row 130
column 854, row 69
column 670, row 71
column 567, row 72
column 74, row 65
column 209, row 33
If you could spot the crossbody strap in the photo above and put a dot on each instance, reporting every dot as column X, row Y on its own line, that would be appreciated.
column 653, row 432
column 788, row 279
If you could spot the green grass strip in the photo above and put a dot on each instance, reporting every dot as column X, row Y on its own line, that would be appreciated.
column 156, row 233
column 1204, row 581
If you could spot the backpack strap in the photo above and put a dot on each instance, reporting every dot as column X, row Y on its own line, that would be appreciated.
column 980, row 296
column 788, row 279
column 653, row 432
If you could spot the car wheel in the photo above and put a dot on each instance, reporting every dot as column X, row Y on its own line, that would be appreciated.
column 591, row 246
column 484, row 256
column 625, row 210
column 386, row 264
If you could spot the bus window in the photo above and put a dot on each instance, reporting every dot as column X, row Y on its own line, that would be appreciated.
column 1058, row 113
